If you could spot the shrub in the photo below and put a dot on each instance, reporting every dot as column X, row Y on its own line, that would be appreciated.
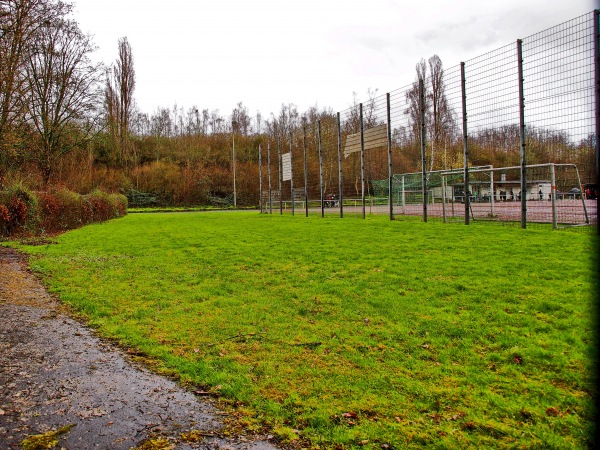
column 49, row 208
column 56, row 210
column 101, row 207
column 22, row 208
column 121, row 202
column 71, row 215
column 4, row 219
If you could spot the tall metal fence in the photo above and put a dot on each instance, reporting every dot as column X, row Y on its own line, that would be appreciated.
column 510, row 135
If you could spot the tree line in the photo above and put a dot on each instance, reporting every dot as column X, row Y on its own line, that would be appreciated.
column 67, row 121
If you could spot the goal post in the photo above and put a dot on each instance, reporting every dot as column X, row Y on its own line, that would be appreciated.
column 554, row 194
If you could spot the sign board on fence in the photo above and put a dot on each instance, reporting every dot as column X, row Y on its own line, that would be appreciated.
column 374, row 138
column 286, row 166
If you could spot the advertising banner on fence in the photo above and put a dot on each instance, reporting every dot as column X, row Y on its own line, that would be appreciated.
column 286, row 166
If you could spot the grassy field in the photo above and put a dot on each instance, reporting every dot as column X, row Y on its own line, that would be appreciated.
column 347, row 332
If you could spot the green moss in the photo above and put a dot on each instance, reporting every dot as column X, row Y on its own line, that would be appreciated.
column 45, row 440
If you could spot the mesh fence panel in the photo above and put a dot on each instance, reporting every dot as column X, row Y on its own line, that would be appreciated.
column 559, row 109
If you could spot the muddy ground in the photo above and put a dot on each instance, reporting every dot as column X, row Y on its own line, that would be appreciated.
column 54, row 372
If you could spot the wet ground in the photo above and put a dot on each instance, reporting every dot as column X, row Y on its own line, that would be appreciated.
column 54, row 372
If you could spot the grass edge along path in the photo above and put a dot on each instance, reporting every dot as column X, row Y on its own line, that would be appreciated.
column 343, row 333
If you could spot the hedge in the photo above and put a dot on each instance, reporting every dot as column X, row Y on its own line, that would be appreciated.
column 25, row 212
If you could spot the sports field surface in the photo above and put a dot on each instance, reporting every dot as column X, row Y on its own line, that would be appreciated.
column 348, row 332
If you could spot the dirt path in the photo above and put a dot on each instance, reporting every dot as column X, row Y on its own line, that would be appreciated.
column 54, row 372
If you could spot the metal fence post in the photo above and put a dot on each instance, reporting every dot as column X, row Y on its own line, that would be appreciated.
column 280, row 173
column 597, row 107
column 403, row 196
column 321, row 169
column 492, row 199
column 443, row 197
column 305, row 172
column 269, row 176
column 522, row 135
column 260, row 193
column 466, row 188
column 423, row 143
column 362, row 162
column 340, row 176
column 553, row 195
column 291, row 175
column 389, row 143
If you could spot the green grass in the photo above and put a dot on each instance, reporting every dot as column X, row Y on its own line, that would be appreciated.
column 354, row 332
column 163, row 209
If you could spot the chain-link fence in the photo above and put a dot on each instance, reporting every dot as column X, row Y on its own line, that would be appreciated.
column 510, row 135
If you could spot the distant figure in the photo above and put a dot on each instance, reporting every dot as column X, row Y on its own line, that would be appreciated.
column 519, row 196
column 550, row 197
column 512, row 195
column 541, row 195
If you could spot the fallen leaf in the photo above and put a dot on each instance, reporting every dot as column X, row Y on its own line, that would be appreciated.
column 552, row 412
column 349, row 415
column 518, row 359
column 469, row 426
column 425, row 346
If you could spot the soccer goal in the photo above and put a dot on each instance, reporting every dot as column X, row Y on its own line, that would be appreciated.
column 553, row 193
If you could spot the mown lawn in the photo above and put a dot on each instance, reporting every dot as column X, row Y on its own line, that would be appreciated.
column 344, row 332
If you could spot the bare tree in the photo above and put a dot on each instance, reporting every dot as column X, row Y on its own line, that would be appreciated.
column 63, row 94
column 20, row 20
column 240, row 120
column 161, row 127
column 439, row 118
column 111, row 107
column 119, row 103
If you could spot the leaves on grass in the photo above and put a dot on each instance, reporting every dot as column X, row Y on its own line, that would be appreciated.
column 552, row 412
column 518, row 359
column 347, row 418
column 468, row 426
column 526, row 415
column 310, row 345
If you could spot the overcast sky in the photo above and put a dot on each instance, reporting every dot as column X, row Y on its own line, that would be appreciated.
column 214, row 54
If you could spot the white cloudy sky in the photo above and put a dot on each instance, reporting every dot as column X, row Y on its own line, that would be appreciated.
column 214, row 54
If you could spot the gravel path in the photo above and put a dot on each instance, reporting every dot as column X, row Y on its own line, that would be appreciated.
column 55, row 372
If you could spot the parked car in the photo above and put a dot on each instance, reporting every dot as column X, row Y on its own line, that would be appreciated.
column 575, row 193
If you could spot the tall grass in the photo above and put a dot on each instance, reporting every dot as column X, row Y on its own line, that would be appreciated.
column 351, row 332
